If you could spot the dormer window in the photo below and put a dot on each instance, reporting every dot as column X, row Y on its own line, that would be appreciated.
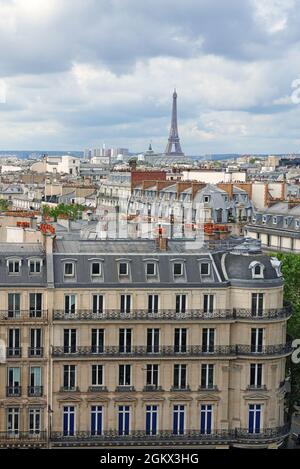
column 151, row 268
column 178, row 269
column 14, row 266
column 123, row 268
column 35, row 266
column 206, row 199
column 69, row 269
column 96, row 269
column 257, row 269
column 274, row 220
column 264, row 219
column 205, row 268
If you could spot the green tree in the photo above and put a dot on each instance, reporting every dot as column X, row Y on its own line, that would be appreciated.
column 4, row 205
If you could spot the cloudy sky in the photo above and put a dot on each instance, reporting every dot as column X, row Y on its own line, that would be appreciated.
column 77, row 73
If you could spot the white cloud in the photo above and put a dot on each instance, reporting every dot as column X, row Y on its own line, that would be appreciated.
column 273, row 14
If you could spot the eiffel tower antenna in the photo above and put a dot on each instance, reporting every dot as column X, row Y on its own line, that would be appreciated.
column 174, row 140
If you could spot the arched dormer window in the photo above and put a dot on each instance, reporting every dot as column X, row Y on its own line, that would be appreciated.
column 257, row 269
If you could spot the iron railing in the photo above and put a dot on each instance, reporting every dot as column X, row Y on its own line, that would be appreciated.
column 35, row 391
column 13, row 391
column 15, row 436
column 35, row 352
column 23, row 315
column 13, row 352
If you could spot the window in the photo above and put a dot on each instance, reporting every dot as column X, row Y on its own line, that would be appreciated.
column 153, row 304
column 256, row 375
column 257, row 340
column 69, row 420
column 35, row 418
column 70, row 340
column 35, row 381
column 123, row 268
column 254, row 418
column 35, row 349
column 14, row 381
column 35, row 305
column 208, row 340
column 69, row 269
column 178, row 269
column 152, row 375
column 208, row 303
column 180, row 303
column 70, row 304
column 179, row 377
column 152, row 340
column 207, row 376
column 35, row 266
column 124, row 420
column 206, row 199
column 125, row 303
column 97, row 375
column 124, row 375
column 69, row 378
column 274, row 220
column 98, row 302
column 96, row 269
column 257, row 270
column 14, row 301
column 14, row 341
column 297, row 223
column 151, row 419
column 14, row 266
column 97, row 340
column 257, row 304
column 180, row 340
column 206, row 417
column 178, row 419
column 264, row 219
column 125, row 336
column 13, row 421
column 205, row 268
column 151, row 269
column 96, row 420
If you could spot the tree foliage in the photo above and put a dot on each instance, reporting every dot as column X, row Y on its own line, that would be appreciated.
column 71, row 211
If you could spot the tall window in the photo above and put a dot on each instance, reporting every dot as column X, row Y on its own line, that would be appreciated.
column 257, row 304
column 254, row 418
column 207, row 376
column 35, row 305
column 70, row 340
column 152, row 375
column 178, row 419
column 152, row 340
column 152, row 304
column 180, row 303
column 13, row 420
column 35, row 381
column 70, row 304
column 14, row 302
column 14, row 381
column 97, row 375
column 69, row 377
column 179, row 377
column 98, row 304
column 125, row 336
column 124, row 375
column 124, row 420
column 35, row 424
column 35, row 349
column 206, row 419
column 256, row 375
column 208, row 303
column 180, row 340
column 125, row 303
column 96, row 420
column 151, row 419
column 257, row 340
column 69, row 420
column 14, row 343
column 97, row 340
column 208, row 340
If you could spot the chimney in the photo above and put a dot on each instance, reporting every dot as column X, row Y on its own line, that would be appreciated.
column 161, row 242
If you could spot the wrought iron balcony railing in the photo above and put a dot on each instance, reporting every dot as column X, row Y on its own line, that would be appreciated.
column 208, row 388
column 98, row 389
column 69, row 389
column 171, row 314
column 152, row 388
column 13, row 352
column 23, row 315
column 16, row 436
column 35, row 352
column 35, row 391
column 170, row 351
column 257, row 387
column 13, row 391
column 125, row 389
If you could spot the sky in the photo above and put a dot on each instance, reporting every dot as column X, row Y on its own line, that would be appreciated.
column 75, row 74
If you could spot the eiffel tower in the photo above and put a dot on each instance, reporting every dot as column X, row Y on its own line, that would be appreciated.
column 174, row 139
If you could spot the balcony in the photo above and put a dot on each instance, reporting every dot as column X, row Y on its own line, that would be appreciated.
column 208, row 388
column 98, row 389
column 35, row 391
column 23, row 315
column 152, row 388
column 13, row 391
column 37, row 352
column 69, row 389
column 13, row 352
column 17, row 439
column 171, row 314
column 170, row 351
column 125, row 389
column 180, row 388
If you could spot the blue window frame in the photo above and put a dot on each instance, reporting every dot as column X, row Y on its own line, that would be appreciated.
column 69, row 421
column 124, row 420
column 206, row 417
column 254, row 418
column 151, row 419
column 96, row 420
column 178, row 419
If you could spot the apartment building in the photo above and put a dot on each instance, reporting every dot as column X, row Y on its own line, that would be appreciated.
column 141, row 343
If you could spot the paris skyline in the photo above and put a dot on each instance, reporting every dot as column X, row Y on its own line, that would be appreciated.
column 77, row 74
